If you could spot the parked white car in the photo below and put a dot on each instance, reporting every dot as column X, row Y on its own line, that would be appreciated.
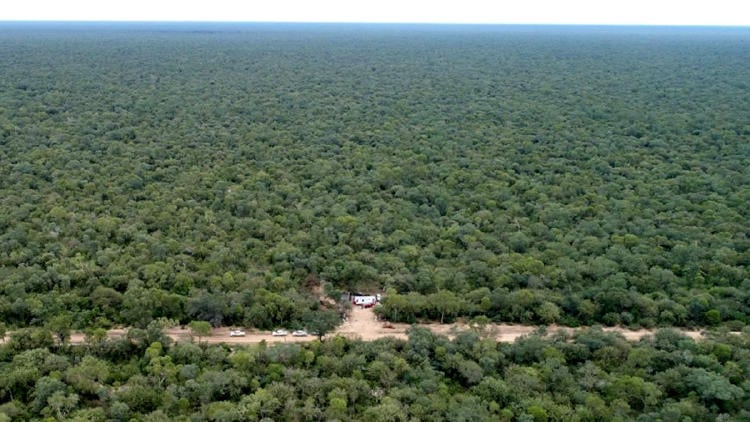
column 236, row 333
column 300, row 333
column 280, row 333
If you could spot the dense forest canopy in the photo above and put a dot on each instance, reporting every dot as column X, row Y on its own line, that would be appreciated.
column 593, row 376
column 529, row 174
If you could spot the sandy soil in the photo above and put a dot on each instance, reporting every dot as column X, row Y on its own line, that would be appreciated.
column 363, row 324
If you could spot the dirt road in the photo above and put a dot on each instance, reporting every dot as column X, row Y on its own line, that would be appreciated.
column 363, row 324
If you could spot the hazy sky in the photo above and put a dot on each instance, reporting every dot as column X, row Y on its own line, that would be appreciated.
column 646, row 12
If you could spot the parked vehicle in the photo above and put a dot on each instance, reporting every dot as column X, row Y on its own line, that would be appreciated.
column 300, row 333
column 280, row 333
column 236, row 333
column 365, row 301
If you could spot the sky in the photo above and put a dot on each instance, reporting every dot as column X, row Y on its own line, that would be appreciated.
column 601, row 12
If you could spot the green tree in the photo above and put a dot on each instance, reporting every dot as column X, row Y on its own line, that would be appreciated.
column 44, row 388
column 321, row 322
column 389, row 410
column 30, row 338
column 638, row 393
column 60, row 326
column 548, row 312
column 445, row 303
column 209, row 307
column 89, row 376
column 60, row 404
column 200, row 329
column 713, row 388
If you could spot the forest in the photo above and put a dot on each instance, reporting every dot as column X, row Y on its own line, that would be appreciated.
column 173, row 173
column 593, row 376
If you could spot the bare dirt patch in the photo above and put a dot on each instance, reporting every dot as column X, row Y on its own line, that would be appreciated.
column 363, row 324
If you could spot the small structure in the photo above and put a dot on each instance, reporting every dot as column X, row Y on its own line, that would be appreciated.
column 365, row 301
